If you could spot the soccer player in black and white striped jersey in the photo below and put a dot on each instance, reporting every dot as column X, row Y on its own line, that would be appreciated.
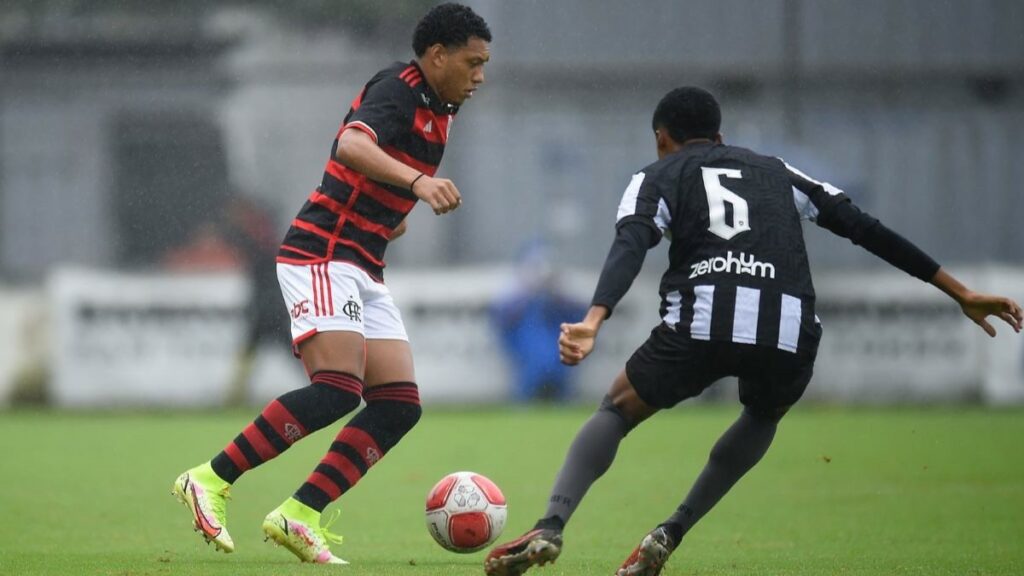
column 736, row 300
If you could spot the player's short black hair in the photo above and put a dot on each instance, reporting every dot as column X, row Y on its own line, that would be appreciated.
column 688, row 112
column 448, row 24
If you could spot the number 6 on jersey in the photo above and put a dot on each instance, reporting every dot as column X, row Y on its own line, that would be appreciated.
column 718, row 195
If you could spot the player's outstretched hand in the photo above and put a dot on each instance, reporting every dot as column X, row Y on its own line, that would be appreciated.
column 440, row 193
column 575, row 343
column 978, row 307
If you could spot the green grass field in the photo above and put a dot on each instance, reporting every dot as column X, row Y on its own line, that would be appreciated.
column 856, row 492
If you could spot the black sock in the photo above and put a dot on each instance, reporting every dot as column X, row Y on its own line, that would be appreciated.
column 286, row 420
column 550, row 523
column 391, row 411
column 735, row 453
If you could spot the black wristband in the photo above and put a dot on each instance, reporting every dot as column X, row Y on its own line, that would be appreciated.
column 413, row 183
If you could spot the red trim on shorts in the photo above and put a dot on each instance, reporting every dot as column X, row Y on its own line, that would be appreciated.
column 330, row 288
column 316, row 296
column 319, row 272
column 303, row 337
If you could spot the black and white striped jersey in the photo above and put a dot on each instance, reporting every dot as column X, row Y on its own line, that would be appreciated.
column 738, row 267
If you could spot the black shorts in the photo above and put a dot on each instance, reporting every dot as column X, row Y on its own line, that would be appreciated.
column 671, row 367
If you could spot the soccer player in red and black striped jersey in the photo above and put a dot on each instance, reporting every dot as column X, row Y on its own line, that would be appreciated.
column 736, row 300
column 345, row 326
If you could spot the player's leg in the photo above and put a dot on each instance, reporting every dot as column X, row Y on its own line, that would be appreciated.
column 593, row 450
column 778, row 381
column 333, row 353
column 392, row 409
column 733, row 455
column 334, row 361
column 771, row 381
column 590, row 455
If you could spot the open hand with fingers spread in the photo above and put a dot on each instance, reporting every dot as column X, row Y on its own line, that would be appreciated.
column 978, row 307
column 440, row 193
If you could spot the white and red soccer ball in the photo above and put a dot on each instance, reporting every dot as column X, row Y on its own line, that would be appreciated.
column 465, row 512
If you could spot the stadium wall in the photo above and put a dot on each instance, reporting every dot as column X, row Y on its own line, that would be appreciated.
column 155, row 340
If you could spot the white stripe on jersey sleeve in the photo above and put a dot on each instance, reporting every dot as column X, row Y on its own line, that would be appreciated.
column 804, row 206
column 627, row 207
column 662, row 218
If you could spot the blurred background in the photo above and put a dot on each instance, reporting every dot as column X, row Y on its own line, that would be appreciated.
column 152, row 155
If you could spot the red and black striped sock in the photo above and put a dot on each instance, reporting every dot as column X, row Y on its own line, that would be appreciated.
column 391, row 411
column 287, row 420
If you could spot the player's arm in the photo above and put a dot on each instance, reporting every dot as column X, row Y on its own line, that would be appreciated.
column 625, row 259
column 978, row 307
column 386, row 112
column 643, row 217
column 358, row 151
column 833, row 210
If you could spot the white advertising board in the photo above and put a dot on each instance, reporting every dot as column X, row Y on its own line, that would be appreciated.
column 164, row 340
column 125, row 339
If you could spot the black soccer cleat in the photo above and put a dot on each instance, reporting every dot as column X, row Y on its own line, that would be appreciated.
column 535, row 548
column 650, row 556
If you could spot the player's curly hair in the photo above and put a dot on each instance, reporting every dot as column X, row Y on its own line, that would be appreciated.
column 448, row 24
column 688, row 112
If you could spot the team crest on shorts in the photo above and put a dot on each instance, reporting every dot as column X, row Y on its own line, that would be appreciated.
column 352, row 310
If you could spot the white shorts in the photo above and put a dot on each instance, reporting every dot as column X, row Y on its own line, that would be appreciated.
column 331, row 296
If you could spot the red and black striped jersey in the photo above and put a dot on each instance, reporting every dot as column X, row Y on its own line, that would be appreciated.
column 350, row 217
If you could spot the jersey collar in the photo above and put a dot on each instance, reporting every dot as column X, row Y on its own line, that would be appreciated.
column 430, row 99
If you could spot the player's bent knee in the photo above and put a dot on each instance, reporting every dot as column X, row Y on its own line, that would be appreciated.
column 609, row 405
column 330, row 396
column 398, row 404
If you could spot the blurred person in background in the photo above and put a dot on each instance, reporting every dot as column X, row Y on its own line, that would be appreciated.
column 240, row 238
column 344, row 324
column 250, row 230
column 736, row 300
column 527, row 318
